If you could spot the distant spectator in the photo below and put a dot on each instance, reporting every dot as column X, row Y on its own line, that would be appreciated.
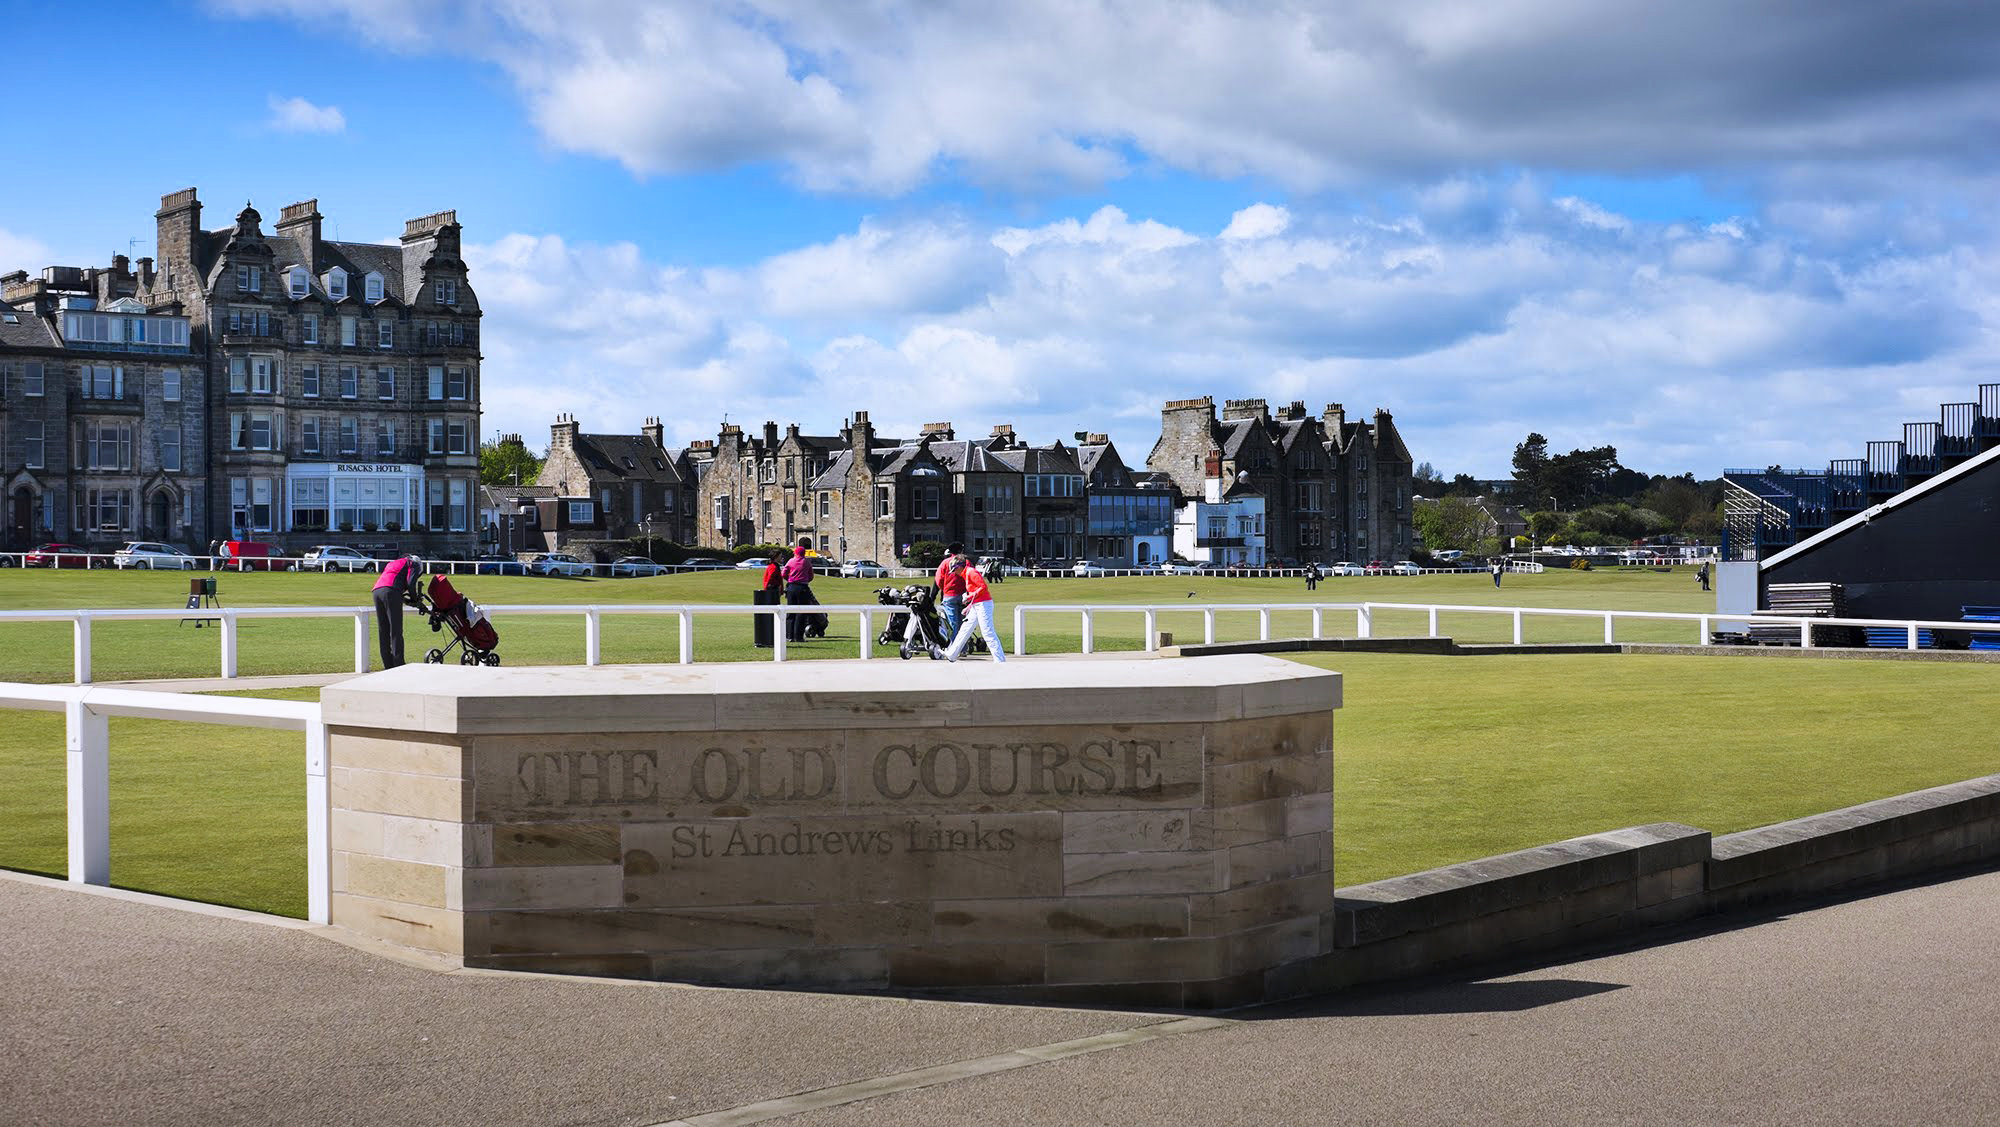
column 951, row 589
column 1498, row 567
column 798, row 590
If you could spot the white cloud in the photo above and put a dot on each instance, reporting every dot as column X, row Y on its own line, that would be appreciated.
column 296, row 115
column 1683, row 346
column 20, row 252
column 880, row 97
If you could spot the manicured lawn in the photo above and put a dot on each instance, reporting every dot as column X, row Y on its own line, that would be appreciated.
column 198, row 811
column 1438, row 759
column 121, row 650
column 1446, row 759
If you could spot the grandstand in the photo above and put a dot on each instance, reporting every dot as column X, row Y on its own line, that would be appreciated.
column 1766, row 511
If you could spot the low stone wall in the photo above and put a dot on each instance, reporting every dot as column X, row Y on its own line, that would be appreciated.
column 1132, row 832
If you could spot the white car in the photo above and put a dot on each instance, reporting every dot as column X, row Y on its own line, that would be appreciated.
column 152, row 556
column 863, row 569
column 635, row 567
column 559, row 563
column 1406, row 567
column 337, row 557
column 1346, row 567
column 1447, row 555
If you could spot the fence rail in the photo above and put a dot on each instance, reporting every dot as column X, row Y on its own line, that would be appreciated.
column 87, row 711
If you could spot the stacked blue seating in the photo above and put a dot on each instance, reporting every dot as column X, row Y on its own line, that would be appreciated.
column 1898, row 637
column 1982, row 640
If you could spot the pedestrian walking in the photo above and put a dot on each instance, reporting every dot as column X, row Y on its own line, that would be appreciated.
column 1312, row 577
column 213, row 547
column 951, row 589
column 978, row 615
column 1701, row 575
column 1498, row 567
column 798, row 590
column 396, row 585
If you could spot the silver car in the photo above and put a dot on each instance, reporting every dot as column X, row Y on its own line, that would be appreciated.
column 152, row 556
column 559, row 563
column 337, row 557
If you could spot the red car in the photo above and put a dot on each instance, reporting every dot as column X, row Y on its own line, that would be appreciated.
column 56, row 555
column 252, row 555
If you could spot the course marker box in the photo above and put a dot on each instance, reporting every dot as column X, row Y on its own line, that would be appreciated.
column 1138, row 830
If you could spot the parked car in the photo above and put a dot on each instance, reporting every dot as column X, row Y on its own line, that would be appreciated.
column 337, row 557
column 151, row 556
column 253, row 555
column 1088, row 568
column 1346, row 567
column 550, row 564
column 635, row 567
column 1447, row 555
column 1406, row 567
column 498, row 565
column 705, row 563
column 56, row 555
column 752, row 564
column 863, row 569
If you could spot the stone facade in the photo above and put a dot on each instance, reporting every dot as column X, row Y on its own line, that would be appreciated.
column 1054, row 511
column 1333, row 489
column 1139, row 832
column 642, row 487
column 882, row 497
column 102, row 421
column 341, row 379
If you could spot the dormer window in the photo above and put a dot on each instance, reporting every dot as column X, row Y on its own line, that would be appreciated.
column 249, row 279
column 297, row 282
column 371, row 287
column 336, row 283
column 447, row 291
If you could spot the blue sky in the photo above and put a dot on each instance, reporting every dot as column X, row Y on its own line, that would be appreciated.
column 1680, row 232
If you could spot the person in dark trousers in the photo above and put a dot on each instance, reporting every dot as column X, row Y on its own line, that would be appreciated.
column 1498, row 567
column 1312, row 577
column 798, row 590
column 214, row 547
column 773, row 592
column 1701, row 575
column 396, row 585
column 951, row 589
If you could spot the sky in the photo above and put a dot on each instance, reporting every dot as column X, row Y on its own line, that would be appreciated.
column 1707, row 233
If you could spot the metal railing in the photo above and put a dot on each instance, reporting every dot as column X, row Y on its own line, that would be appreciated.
column 86, row 719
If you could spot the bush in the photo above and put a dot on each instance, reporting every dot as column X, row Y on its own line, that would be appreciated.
column 761, row 551
column 660, row 550
column 925, row 553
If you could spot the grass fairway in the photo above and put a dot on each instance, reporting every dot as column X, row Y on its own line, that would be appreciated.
column 1438, row 759
column 126, row 650
column 199, row 811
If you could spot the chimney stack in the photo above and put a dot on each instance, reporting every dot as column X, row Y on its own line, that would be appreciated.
column 654, row 432
column 302, row 220
column 562, row 435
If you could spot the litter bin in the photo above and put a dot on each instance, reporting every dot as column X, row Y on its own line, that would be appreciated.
column 760, row 624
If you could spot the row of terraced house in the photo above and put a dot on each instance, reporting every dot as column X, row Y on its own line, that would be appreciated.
column 1251, row 487
column 245, row 384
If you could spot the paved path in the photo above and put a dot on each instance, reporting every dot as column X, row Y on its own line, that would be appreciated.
column 116, row 1009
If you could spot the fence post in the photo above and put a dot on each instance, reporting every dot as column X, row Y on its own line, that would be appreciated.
column 80, row 650
column 1364, row 621
column 1208, row 626
column 1263, row 624
column 777, row 633
column 319, row 854
column 1088, row 632
column 1805, row 634
column 1434, row 622
column 687, row 637
column 1913, row 635
column 1517, row 627
column 1608, row 639
column 228, row 642
column 593, row 636
column 89, row 738
column 361, row 641
column 1319, row 622
column 1152, row 631
column 1020, row 631
column 867, row 634
column 1702, row 625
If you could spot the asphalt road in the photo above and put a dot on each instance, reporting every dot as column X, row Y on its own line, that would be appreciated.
column 115, row 1010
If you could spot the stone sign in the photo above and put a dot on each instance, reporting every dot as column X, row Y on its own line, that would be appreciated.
column 1143, row 830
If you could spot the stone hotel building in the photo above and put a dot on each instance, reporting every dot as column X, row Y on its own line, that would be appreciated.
column 248, row 384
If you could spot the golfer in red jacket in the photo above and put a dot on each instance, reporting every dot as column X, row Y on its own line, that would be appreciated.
column 978, row 613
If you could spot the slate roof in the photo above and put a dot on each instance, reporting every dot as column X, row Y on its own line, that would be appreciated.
column 1055, row 459
column 967, row 457
column 629, row 456
column 27, row 330
column 836, row 473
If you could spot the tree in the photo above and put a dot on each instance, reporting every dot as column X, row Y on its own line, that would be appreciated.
column 1531, row 470
column 1450, row 522
column 1463, row 485
column 1428, row 481
column 507, row 463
